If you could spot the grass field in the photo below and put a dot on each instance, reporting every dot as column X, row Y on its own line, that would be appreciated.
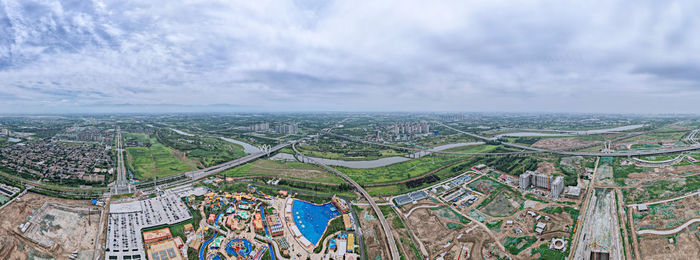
column 399, row 171
column 473, row 149
column 154, row 161
column 293, row 170
column 339, row 156
column 656, row 136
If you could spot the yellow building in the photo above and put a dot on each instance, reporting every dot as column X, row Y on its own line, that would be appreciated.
column 351, row 242
column 347, row 222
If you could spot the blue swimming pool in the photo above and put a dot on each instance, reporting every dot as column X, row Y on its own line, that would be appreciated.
column 312, row 219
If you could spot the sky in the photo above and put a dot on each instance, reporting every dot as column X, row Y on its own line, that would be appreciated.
column 511, row 56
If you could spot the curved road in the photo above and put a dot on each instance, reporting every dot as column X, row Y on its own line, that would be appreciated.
column 675, row 150
column 394, row 251
column 421, row 207
column 671, row 231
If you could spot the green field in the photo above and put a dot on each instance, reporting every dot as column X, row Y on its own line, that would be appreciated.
column 341, row 156
column 515, row 245
column 292, row 170
column 398, row 171
column 473, row 149
column 154, row 161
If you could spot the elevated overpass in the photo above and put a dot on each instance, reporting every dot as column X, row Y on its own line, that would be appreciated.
column 394, row 251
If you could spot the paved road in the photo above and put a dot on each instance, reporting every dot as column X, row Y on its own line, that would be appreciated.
column 692, row 147
column 666, row 200
column 578, row 226
column 199, row 174
column 421, row 207
column 121, row 184
column 393, row 250
column 669, row 232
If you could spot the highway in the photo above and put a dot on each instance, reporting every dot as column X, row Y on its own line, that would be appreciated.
column 382, row 220
column 122, row 184
column 425, row 151
column 692, row 147
column 199, row 174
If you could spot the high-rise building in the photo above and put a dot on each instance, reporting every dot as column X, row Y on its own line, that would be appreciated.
column 411, row 128
column 544, row 181
column 260, row 127
column 557, row 187
column 525, row 180
column 541, row 180
column 288, row 129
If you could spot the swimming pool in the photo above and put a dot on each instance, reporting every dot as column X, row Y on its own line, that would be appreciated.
column 312, row 219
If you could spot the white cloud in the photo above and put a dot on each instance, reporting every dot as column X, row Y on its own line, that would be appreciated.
column 350, row 55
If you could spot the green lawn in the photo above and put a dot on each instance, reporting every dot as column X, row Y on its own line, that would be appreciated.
column 473, row 149
column 399, row 171
column 306, row 150
column 293, row 170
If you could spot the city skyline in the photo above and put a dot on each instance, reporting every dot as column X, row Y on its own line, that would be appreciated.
column 269, row 56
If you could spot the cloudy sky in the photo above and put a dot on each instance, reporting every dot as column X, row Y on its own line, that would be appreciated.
column 123, row 55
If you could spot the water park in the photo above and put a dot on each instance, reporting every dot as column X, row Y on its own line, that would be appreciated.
column 309, row 220
column 252, row 225
column 239, row 247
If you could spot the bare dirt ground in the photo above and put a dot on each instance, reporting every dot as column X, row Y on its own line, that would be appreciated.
column 563, row 143
column 431, row 227
column 375, row 242
column 546, row 167
column 686, row 246
column 68, row 230
column 505, row 203
column 639, row 183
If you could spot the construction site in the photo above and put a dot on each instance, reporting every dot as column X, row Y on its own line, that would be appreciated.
column 600, row 237
column 37, row 226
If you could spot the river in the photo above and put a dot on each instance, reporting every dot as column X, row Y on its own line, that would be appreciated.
column 247, row 148
column 368, row 164
column 570, row 133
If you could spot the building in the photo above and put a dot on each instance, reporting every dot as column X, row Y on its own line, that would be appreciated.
column 410, row 128
column 642, row 207
column 541, row 180
column 157, row 235
column 351, row 242
column 557, row 187
column 540, row 227
column 340, row 204
column 260, row 127
column 572, row 192
column 347, row 222
column 257, row 222
column 525, row 180
column 275, row 224
column 211, row 219
column 231, row 222
column 288, row 129
column 166, row 250
column 188, row 228
column 216, row 243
